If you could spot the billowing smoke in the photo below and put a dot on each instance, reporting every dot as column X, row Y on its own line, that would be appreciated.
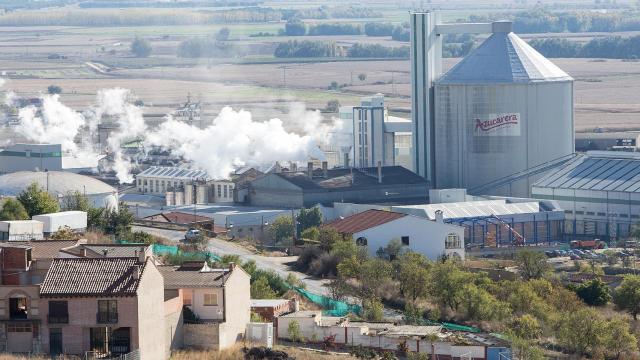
column 233, row 139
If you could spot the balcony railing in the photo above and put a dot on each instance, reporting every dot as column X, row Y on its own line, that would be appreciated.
column 106, row 318
column 58, row 319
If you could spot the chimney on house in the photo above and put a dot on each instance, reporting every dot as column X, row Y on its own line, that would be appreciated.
column 142, row 257
column 310, row 169
column 439, row 216
column 232, row 266
column 136, row 272
column 105, row 252
column 84, row 252
column 380, row 172
column 325, row 169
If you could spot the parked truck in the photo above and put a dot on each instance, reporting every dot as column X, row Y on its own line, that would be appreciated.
column 588, row 244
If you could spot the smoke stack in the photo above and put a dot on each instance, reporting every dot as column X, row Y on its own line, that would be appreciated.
column 277, row 169
column 439, row 216
column 346, row 159
column 380, row 172
column 294, row 167
column 310, row 169
column 325, row 169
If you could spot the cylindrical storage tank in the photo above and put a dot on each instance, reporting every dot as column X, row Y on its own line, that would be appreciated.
column 201, row 194
column 179, row 198
column 188, row 194
column 502, row 110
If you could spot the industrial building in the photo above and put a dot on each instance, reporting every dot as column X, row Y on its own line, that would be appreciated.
column 615, row 141
column 295, row 189
column 496, row 120
column 61, row 184
column 599, row 192
column 182, row 186
column 376, row 135
column 487, row 221
column 41, row 157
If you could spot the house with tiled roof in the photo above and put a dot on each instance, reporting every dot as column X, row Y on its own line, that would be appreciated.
column 103, row 307
column 375, row 229
column 215, row 304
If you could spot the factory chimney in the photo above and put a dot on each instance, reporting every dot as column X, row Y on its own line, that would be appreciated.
column 380, row 172
column 346, row 159
column 310, row 169
column 294, row 167
column 325, row 169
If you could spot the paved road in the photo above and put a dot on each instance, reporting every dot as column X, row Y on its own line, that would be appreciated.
column 221, row 247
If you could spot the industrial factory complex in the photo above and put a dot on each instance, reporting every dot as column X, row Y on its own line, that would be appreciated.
column 490, row 146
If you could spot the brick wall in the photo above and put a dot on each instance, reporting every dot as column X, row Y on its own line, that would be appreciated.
column 202, row 336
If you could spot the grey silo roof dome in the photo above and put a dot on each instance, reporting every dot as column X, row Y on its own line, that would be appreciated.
column 59, row 183
column 504, row 58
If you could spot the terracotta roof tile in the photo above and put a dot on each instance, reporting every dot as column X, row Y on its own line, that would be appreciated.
column 364, row 220
column 92, row 277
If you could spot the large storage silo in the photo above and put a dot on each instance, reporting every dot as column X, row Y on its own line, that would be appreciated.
column 502, row 110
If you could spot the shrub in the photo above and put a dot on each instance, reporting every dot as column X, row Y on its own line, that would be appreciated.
column 325, row 265
column 294, row 332
column 308, row 255
column 54, row 89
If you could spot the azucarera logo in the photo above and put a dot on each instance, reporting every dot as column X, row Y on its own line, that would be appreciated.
column 497, row 122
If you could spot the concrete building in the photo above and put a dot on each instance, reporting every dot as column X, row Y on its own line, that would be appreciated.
column 615, row 141
column 599, row 192
column 61, row 184
column 496, row 120
column 21, row 230
column 219, row 300
column 375, row 134
column 182, row 186
column 41, row 157
column 387, row 184
column 375, row 229
column 75, row 221
column 103, row 306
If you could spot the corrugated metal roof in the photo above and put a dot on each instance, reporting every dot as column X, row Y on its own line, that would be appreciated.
column 504, row 58
column 174, row 173
column 596, row 173
column 364, row 220
column 473, row 208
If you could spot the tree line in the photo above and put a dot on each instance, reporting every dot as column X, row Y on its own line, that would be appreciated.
column 613, row 47
column 541, row 21
column 315, row 49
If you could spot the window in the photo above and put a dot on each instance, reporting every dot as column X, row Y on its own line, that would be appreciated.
column 405, row 240
column 591, row 213
column 19, row 327
column 361, row 241
column 568, row 212
column 210, row 299
column 219, row 191
column 107, row 311
column 452, row 242
column 602, row 214
column 226, row 191
column 18, row 308
column 58, row 312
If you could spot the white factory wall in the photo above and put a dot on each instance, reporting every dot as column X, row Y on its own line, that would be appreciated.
column 425, row 236
column 465, row 159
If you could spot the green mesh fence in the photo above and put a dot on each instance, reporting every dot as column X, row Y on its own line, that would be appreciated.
column 159, row 249
column 330, row 307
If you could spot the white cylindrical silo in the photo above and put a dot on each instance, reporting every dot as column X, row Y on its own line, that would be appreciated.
column 502, row 110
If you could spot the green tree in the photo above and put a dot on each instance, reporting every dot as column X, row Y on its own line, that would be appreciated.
column 372, row 309
column 64, row 233
column 282, row 229
column 532, row 264
column 369, row 274
column 332, row 105
column 260, row 289
column 141, row 47
column 96, row 219
column 223, row 34
column 619, row 338
column 118, row 222
column 37, row 201
column 328, row 237
column 13, row 209
column 295, row 27
column 594, row 292
column 75, row 201
column 311, row 233
column 412, row 274
column 627, row 295
column 526, row 327
column 294, row 332
column 362, row 76
column 54, row 89
column 524, row 349
column 582, row 330
column 479, row 305
column 446, row 284
column 308, row 218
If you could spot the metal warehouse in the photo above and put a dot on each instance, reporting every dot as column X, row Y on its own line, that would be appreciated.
column 600, row 192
